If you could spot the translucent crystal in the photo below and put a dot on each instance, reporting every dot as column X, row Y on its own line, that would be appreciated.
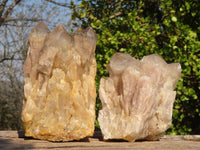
column 137, row 98
column 59, row 75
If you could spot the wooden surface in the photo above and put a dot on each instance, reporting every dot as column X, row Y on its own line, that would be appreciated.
column 16, row 140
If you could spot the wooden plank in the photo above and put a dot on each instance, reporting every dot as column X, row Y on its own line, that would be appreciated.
column 16, row 140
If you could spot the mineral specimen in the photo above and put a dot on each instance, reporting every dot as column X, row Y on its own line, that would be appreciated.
column 59, row 75
column 137, row 98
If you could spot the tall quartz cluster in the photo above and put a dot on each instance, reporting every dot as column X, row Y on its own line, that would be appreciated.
column 59, row 75
column 137, row 98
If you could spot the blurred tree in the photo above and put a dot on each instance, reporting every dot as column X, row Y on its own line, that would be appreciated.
column 140, row 27
column 17, row 17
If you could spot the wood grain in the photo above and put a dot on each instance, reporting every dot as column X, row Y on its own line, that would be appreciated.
column 10, row 140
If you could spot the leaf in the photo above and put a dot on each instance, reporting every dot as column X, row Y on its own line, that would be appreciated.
column 174, row 19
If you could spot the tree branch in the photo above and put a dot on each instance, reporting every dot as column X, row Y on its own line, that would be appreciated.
column 2, row 7
column 60, row 4
column 22, row 19
column 115, row 15
column 9, row 58
column 9, row 10
column 6, row 58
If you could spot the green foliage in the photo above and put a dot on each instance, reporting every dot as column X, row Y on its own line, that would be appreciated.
column 167, row 27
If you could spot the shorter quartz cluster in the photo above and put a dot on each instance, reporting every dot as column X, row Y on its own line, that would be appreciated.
column 137, row 98
column 59, row 90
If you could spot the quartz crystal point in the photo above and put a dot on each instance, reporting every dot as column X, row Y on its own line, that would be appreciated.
column 137, row 98
column 59, row 75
